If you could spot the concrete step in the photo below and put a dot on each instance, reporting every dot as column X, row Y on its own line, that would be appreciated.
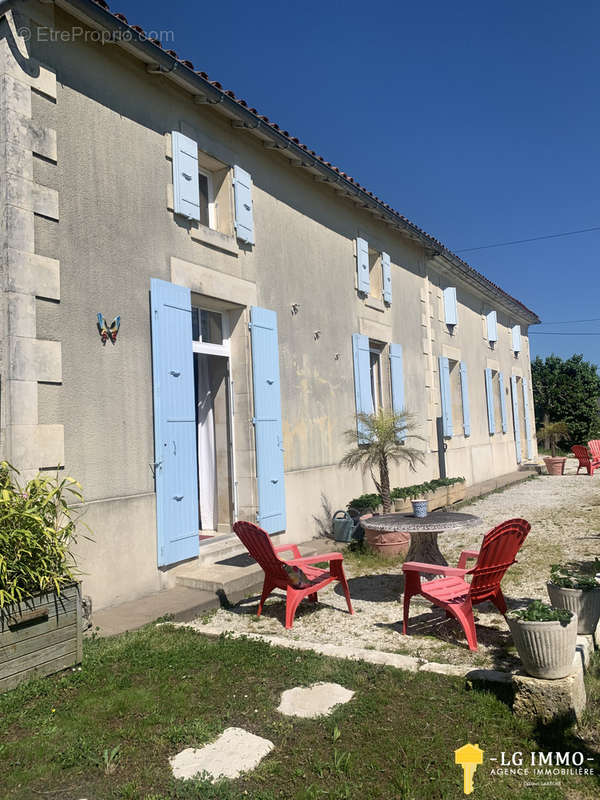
column 223, row 545
column 234, row 578
column 180, row 603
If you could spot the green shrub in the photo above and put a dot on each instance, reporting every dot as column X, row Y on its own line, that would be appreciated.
column 37, row 528
column 422, row 489
column 366, row 502
column 571, row 579
column 537, row 611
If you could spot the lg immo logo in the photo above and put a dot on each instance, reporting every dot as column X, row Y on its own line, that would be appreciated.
column 527, row 765
column 469, row 756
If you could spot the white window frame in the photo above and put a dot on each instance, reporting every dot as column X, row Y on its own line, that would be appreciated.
column 376, row 379
column 212, row 211
column 214, row 349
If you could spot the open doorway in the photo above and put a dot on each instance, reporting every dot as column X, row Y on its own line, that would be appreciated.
column 213, row 422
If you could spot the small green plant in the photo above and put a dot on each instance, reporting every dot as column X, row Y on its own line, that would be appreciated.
column 110, row 759
column 571, row 579
column 37, row 529
column 537, row 611
column 366, row 502
column 553, row 432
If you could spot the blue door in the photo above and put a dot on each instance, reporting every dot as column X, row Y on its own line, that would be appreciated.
column 174, row 423
column 267, row 420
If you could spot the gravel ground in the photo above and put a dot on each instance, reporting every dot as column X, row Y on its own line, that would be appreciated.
column 564, row 513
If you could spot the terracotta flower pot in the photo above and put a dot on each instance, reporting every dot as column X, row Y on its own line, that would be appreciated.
column 585, row 604
column 547, row 649
column 387, row 544
column 555, row 466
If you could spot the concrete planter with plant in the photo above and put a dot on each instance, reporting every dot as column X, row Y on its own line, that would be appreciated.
column 545, row 638
column 439, row 493
column 578, row 593
column 552, row 433
column 40, row 601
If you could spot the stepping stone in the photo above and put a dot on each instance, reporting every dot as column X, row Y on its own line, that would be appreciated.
column 313, row 701
column 234, row 752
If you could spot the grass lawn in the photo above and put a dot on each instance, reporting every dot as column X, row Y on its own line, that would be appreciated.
column 108, row 730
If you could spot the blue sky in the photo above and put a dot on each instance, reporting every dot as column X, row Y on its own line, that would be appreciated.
column 478, row 121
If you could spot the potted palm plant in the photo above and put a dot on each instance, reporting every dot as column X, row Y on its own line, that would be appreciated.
column 545, row 638
column 579, row 593
column 381, row 442
column 40, row 602
column 553, row 432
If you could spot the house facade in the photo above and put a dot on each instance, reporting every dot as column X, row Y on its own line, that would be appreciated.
column 257, row 297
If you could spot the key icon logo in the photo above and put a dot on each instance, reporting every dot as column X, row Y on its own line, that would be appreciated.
column 468, row 756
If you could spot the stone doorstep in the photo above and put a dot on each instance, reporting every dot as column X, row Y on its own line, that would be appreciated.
column 231, row 583
column 534, row 697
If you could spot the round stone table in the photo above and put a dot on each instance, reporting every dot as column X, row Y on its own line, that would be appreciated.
column 423, row 531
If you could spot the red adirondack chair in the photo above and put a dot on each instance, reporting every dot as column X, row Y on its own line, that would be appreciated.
column 594, row 446
column 586, row 461
column 453, row 593
column 296, row 576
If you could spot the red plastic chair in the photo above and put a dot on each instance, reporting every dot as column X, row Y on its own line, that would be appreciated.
column 260, row 547
column 594, row 446
column 453, row 593
column 586, row 461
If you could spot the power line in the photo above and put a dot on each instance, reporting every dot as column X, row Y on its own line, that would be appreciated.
column 524, row 241
column 570, row 321
column 563, row 333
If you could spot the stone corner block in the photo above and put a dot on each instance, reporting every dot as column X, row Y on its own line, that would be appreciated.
column 549, row 700
column 35, row 359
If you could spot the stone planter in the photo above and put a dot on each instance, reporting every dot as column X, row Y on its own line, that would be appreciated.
column 547, row 649
column 387, row 544
column 442, row 497
column 585, row 604
column 419, row 508
column 555, row 466
column 40, row 636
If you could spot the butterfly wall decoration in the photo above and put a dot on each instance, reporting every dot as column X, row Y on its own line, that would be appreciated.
column 108, row 331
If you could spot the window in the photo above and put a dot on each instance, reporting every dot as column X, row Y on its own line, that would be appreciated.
column 207, row 326
column 497, row 400
column 376, row 378
column 375, row 274
column 207, row 205
column 455, row 389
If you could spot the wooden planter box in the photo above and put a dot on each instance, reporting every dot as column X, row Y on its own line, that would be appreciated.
column 40, row 636
column 442, row 497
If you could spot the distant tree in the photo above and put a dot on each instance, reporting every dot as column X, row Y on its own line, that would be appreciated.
column 567, row 391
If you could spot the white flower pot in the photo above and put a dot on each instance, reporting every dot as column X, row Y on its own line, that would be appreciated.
column 585, row 604
column 547, row 649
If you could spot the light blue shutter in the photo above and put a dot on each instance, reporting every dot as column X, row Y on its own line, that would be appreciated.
column 492, row 327
column 464, row 390
column 502, row 403
column 516, row 338
column 450, row 311
column 516, row 423
column 386, row 269
column 527, row 419
column 362, row 379
column 489, row 391
column 267, row 420
column 174, row 423
column 186, row 186
column 362, row 265
column 397, row 377
column 244, row 217
column 446, row 396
